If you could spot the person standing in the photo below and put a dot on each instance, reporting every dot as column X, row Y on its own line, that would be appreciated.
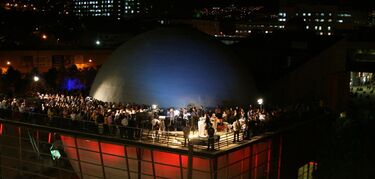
column 236, row 130
column 171, row 119
column 123, row 127
column 186, row 131
column 211, row 138
column 194, row 119
column 214, row 121
column 155, row 129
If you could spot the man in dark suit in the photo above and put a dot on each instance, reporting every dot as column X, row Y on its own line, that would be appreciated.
column 211, row 138
column 186, row 131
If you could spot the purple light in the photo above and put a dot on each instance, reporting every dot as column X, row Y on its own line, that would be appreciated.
column 72, row 84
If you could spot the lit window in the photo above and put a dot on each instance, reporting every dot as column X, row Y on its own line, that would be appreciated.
column 320, row 27
column 307, row 27
column 303, row 14
column 329, row 33
column 329, row 27
column 321, row 33
column 321, row 20
column 309, row 14
column 316, row 27
column 321, row 14
column 340, row 21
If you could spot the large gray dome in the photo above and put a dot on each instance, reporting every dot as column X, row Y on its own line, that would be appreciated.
column 171, row 67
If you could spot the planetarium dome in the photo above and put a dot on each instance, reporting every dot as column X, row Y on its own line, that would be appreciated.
column 172, row 67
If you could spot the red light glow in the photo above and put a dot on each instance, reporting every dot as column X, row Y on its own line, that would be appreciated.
column 49, row 138
column 127, row 161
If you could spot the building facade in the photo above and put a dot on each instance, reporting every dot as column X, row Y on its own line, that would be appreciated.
column 323, row 20
column 117, row 9
column 26, row 60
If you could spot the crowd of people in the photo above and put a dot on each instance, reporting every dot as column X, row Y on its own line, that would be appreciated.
column 128, row 120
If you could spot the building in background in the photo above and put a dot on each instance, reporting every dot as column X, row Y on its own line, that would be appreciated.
column 43, row 60
column 117, row 9
column 323, row 20
column 320, row 19
column 57, row 7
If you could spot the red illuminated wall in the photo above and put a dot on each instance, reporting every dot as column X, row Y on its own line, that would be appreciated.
column 119, row 161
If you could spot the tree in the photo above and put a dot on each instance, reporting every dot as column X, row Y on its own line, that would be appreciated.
column 11, row 80
column 50, row 78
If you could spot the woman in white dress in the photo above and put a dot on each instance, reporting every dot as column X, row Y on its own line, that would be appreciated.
column 202, row 126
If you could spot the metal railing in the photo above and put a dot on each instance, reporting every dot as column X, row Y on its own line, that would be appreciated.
column 147, row 135
column 166, row 138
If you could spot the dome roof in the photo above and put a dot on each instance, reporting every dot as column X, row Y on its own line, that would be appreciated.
column 171, row 67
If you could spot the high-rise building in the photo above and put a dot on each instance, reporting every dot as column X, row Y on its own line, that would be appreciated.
column 324, row 20
column 118, row 9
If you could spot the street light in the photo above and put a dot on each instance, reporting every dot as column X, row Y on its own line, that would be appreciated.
column 97, row 42
column 44, row 36
column 36, row 78
column 260, row 102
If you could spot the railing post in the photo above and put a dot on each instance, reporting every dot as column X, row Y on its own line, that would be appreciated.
column 101, row 158
column 190, row 161
column 78, row 157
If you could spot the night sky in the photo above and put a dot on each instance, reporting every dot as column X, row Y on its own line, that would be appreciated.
column 184, row 7
column 275, row 3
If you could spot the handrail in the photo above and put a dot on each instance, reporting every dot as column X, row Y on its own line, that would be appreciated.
column 134, row 135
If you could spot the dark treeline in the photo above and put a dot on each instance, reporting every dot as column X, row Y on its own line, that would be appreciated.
column 70, row 80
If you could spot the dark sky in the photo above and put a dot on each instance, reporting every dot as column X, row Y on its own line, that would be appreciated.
column 184, row 8
column 369, row 4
